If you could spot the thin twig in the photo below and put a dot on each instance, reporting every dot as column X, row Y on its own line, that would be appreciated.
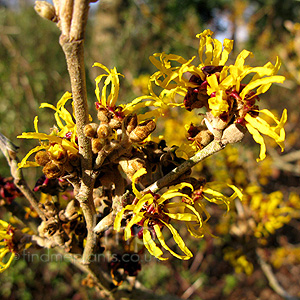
column 72, row 42
column 273, row 282
column 10, row 152
column 191, row 290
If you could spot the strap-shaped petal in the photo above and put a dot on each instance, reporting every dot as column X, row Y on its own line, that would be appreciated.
column 258, row 139
column 179, row 241
column 136, row 175
column 119, row 216
column 150, row 244
column 161, row 239
column 24, row 163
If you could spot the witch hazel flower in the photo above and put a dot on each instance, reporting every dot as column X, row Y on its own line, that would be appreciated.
column 229, row 93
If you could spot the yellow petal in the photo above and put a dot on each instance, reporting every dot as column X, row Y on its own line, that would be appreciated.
column 184, row 205
column 35, row 124
column 263, row 85
column 24, row 163
column 136, row 175
column 135, row 219
column 40, row 136
column 258, row 139
column 182, row 216
column 161, row 239
column 228, row 46
column 150, row 244
column 179, row 241
column 5, row 266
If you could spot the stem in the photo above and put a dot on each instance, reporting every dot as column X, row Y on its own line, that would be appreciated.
column 72, row 42
column 210, row 149
column 273, row 282
column 10, row 152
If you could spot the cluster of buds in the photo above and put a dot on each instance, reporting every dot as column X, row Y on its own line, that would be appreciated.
column 115, row 130
column 101, row 134
column 57, row 161
column 65, row 227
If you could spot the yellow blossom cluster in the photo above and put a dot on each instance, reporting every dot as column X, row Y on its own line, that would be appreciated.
column 151, row 212
column 61, row 142
column 6, row 234
column 221, row 88
column 270, row 212
column 238, row 260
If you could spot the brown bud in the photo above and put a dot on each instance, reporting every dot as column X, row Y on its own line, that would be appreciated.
column 103, row 114
column 103, row 131
column 97, row 145
column 90, row 130
column 234, row 133
column 68, row 167
column 71, row 210
column 48, row 228
column 142, row 131
column 42, row 157
column 204, row 137
column 58, row 153
column 51, row 228
column 50, row 209
column 115, row 123
column 73, row 159
column 52, row 170
column 45, row 10
column 129, row 167
column 215, row 125
column 130, row 122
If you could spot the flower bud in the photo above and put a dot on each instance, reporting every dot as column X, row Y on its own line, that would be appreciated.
column 52, row 170
column 130, row 122
column 142, row 131
column 103, row 114
column 129, row 167
column 215, row 125
column 97, row 145
column 42, row 157
column 45, row 10
column 204, row 137
column 233, row 134
column 73, row 159
column 115, row 123
column 50, row 209
column 103, row 131
column 58, row 154
column 90, row 130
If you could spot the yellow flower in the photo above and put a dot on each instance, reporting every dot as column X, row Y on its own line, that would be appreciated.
column 152, row 213
column 211, row 192
column 6, row 234
column 269, row 211
column 220, row 89
column 64, row 135
column 172, row 77
column 257, row 125
column 112, row 77
column 160, row 103
column 238, row 260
